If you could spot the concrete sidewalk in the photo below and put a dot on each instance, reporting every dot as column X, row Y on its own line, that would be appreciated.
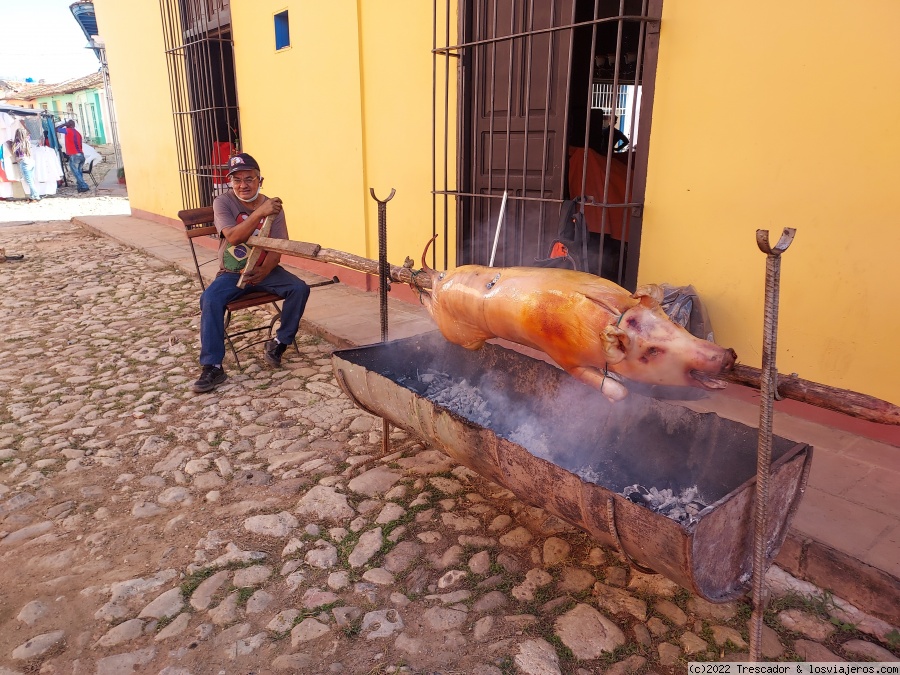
column 846, row 535
column 110, row 185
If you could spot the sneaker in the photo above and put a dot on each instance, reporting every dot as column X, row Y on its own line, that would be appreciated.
column 272, row 353
column 87, row 189
column 210, row 378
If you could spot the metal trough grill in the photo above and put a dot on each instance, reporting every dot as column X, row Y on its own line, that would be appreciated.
column 561, row 446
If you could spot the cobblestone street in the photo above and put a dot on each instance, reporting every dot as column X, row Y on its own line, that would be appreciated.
column 258, row 528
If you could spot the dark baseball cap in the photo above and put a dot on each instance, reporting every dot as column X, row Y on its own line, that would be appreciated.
column 242, row 162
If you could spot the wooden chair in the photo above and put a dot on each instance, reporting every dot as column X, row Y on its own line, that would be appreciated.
column 198, row 223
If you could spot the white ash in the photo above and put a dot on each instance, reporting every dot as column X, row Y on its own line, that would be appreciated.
column 531, row 437
column 466, row 400
column 682, row 507
column 459, row 397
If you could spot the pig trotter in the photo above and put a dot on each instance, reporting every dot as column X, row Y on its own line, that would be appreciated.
column 603, row 382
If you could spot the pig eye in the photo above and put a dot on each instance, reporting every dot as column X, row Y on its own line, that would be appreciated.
column 651, row 351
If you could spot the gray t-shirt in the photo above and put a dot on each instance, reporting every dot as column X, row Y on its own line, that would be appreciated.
column 228, row 211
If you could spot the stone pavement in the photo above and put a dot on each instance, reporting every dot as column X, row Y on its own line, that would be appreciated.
column 846, row 534
column 259, row 529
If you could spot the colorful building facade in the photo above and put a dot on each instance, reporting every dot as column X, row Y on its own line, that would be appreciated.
column 739, row 130
column 82, row 99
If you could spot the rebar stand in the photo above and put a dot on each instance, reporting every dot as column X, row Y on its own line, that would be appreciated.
column 768, row 394
column 384, row 285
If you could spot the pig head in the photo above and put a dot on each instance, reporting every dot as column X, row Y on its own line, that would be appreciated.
column 592, row 328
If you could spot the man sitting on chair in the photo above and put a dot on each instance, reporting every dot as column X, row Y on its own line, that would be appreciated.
column 240, row 213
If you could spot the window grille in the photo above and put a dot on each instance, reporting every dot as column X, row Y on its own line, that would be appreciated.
column 525, row 77
column 602, row 97
column 200, row 61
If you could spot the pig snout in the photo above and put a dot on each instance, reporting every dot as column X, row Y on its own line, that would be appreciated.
column 728, row 360
column 719, row 360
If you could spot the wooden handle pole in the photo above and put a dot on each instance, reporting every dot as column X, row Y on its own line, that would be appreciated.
column 255, row 253
column 843, row 401
column 302, row 249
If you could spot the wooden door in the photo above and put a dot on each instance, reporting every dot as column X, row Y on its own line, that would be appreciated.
column 514, row 134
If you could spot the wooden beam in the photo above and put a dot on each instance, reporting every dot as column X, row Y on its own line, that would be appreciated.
column 302, row 249
column 840, row 400
column 821, row 395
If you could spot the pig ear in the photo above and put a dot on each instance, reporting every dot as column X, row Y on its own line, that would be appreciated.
column 615, row 343
column 650, row 295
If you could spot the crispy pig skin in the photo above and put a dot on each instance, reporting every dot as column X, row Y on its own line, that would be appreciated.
column 588, row 325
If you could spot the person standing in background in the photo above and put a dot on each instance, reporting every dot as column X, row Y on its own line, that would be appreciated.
column 75, row 152
column 25, row 160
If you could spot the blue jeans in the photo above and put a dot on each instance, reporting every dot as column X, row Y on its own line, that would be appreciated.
column 223, row 290
column 27, row 169
column 75, row 163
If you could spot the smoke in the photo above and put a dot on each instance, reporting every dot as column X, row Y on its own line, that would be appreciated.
column 486, row 401
column 478, row 402
column 557, row 433
column 527, row 225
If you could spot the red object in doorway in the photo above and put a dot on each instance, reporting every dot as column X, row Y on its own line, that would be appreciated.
column 594, row 183
column 221, row 152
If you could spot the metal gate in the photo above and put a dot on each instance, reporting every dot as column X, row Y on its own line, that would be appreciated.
column 200, row 62
column 529, row 126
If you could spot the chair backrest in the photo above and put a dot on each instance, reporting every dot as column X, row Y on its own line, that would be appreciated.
column 198, row 223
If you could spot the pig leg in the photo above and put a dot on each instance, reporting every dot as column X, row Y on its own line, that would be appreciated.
column 606, row 385
column 464, row 335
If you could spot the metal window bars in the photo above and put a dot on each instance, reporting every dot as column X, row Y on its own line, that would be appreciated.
column 200, row 62
column 525, row 78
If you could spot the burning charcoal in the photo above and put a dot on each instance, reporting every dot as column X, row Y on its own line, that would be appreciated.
column 678, row 514
column 637, row 494
column 667, row 506
column 694, row 508
column 459, row 397
column 681, row 508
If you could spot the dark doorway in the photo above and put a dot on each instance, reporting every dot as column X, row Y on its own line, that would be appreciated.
column 604, row 106
column 200, row 59
column 537, row 79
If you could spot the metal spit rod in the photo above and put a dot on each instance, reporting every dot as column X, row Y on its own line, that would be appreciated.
column 499, row 225
column 384, row 282
column 768, row 393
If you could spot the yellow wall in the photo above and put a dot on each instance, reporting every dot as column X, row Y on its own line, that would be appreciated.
column 397, row 88
column 766, row 115
column 140, row 88
column 772, row 115
column 345, row 108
